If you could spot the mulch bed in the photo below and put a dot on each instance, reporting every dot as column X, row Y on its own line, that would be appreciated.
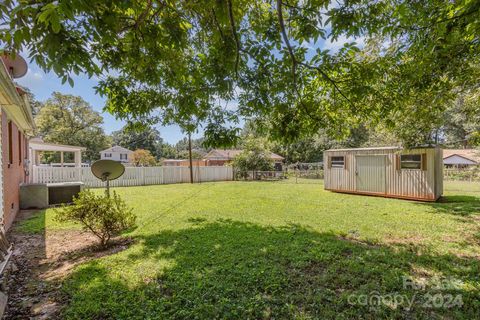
column 41, row 262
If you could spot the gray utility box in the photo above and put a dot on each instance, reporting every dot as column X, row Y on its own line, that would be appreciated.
column 43, row 195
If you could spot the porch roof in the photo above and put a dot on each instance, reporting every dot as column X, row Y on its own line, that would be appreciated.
column 44, row 146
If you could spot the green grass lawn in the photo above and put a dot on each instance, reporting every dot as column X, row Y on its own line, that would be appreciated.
column 283, row 250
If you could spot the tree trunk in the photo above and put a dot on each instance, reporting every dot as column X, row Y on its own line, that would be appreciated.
column 190, row 156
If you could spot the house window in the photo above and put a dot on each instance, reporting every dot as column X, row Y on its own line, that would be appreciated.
column 25, row 148
column 337, row 162
column 108, row 155
column 411, row 161
column 123, row 156
column 10, row 143
column 19, row 147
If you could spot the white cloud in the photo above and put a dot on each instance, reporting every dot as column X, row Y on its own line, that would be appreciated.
column 33, row 79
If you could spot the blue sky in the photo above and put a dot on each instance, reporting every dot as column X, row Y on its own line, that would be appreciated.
column 43, row 84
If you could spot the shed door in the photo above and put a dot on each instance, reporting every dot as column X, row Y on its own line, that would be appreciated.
column 370, row 172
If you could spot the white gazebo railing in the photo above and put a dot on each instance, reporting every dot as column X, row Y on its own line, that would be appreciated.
column 133, row 176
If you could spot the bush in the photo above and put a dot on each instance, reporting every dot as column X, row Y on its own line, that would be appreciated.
column 142, row 158
column 254, row 157
column 102, row 215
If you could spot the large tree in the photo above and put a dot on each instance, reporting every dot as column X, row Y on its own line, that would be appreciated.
column 147, row 138
column 461, row 126
column 35, row 105
column 68, row 119
column 198, row 149
column 181, row 61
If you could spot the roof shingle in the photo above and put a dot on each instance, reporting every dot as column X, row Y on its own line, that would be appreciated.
column 471, row 154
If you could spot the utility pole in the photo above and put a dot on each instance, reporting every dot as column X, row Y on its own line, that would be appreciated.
column 190, row 156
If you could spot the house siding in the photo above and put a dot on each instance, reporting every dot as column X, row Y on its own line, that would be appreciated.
column 217, row 162
column 13, row 174
column 184, row 163
column 224, row 157
column 115, row 156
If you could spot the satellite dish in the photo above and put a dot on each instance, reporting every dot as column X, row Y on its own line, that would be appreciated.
column 107, row 170
column 16, row 67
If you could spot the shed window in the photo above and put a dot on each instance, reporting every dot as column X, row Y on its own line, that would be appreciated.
column 123, row 156
column 411, row 161
column 337, row 162
column 108, row 155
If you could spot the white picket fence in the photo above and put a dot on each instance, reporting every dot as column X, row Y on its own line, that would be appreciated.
column 133, row 176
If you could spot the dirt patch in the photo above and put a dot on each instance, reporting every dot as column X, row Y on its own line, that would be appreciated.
column 39, row 264
column 412, row 240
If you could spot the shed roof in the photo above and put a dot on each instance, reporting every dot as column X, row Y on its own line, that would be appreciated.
column 382, row 148
column 470, row 154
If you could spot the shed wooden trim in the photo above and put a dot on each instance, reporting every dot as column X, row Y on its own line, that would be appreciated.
column 383, row 195
column 424, row 162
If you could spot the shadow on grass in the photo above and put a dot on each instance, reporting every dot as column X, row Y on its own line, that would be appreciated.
column 238, row 270
column 31, row 221
column 459, row 205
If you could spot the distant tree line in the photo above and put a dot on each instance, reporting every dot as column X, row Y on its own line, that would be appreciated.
column 150, row 139
column 68, row 119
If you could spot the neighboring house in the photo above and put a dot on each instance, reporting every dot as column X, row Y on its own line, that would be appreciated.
column 116, row 153
column 16, row 126
column 219, row 157
column 183, row 163
column 461, row 158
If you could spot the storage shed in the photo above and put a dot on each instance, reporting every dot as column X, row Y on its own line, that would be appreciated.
column 415, row 174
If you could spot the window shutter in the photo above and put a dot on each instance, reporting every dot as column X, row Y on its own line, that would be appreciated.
column 329, row 162
column 424, row 161
column 397, row 162
column 345, row 162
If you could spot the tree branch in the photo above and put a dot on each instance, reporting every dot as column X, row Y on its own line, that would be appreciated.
column 294, row 60
column 215, row 21
column 260, row 63
column 326, row 77
column 287, row 42
column 291, row 6
column 144, row 14
column 235, row 36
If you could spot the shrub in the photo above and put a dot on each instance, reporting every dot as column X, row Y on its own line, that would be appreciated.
column 254, row 157
column 142, row 158
column 102, row 215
